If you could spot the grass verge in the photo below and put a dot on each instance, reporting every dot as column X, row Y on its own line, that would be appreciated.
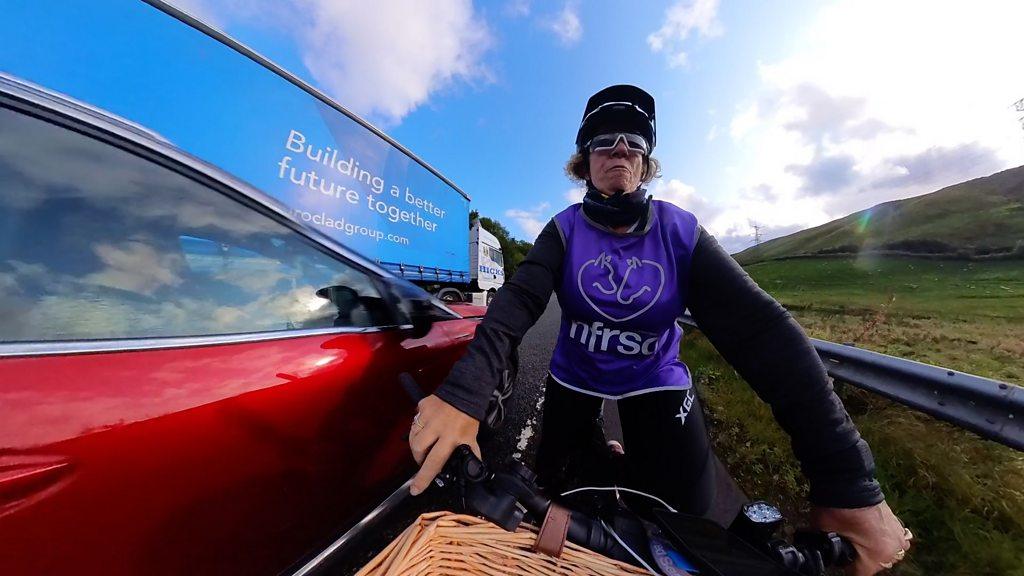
column 962, row 496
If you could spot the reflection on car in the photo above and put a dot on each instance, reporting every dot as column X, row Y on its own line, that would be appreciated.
column 190, row 381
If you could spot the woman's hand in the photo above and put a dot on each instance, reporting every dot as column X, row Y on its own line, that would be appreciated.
column 437, row 430
column 877, row 534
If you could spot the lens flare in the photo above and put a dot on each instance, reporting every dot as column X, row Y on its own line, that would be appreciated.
column 862, row 224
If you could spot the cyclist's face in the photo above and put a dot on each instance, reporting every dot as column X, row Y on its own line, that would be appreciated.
column 616, row 169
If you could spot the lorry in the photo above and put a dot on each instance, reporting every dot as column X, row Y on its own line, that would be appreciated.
column 221, row 101
column 487, row 272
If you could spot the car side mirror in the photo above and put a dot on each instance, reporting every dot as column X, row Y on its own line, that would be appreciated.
column 411, row 305
column 421, row 312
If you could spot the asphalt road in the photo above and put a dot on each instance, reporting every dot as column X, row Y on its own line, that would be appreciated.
column 517, row 436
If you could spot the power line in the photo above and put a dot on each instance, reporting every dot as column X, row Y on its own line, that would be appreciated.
column 1019, row 107
column 757, row 233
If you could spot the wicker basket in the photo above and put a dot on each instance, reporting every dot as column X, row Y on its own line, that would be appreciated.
column 447, row 543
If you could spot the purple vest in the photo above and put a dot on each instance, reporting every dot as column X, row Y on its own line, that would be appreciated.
column 620, row 296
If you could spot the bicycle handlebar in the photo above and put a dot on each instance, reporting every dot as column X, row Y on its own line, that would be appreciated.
column 505, row 497
column 498, row 497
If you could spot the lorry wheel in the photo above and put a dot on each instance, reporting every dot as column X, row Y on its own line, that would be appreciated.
column 450, row 295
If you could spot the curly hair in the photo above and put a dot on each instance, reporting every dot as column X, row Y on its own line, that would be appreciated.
column 579, row 165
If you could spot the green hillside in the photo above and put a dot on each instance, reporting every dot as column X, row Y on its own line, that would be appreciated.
column 976, row 218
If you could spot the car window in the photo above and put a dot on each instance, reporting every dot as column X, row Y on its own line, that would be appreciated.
column 98, row 243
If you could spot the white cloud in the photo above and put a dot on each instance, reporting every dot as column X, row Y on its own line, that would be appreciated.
column 841, row 124
column 517, row 8
column 137, row 267
column 575, row 195
column 531, row 221
column 78, row 306
column 712, row 134
column 566, row 24
column 386, row 58
column 743, row 122
column 681, row 20
column 739, row 239
column 200, row 9
column 379, row 59
column 686, row 197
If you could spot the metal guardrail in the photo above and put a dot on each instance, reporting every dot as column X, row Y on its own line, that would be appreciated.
column 989, row 408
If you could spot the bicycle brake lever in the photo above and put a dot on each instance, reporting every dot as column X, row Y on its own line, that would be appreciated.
column 411, row 387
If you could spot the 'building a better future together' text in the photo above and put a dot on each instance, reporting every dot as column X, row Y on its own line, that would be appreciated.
column 419, row 212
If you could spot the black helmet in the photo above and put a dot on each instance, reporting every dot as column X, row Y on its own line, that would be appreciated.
column 622, row 108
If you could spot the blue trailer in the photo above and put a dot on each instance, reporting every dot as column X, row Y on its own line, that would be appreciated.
column 218, row 99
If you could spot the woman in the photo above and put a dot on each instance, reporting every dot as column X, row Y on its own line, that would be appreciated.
column 624, row 268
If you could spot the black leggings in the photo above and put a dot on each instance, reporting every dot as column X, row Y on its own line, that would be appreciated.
column 668, row 453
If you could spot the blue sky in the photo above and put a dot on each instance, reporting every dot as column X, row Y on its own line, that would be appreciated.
column 780, row 115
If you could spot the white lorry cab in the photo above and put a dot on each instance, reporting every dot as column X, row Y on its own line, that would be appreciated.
column 487, row 272
column 486, row 261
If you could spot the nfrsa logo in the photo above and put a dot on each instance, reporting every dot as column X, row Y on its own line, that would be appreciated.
column 619, row 290
column 491, row 270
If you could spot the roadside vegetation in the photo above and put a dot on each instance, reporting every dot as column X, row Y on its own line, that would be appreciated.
column 962, row 496
column 513, row 250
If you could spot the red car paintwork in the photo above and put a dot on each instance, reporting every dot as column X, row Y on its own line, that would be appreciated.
column 226, row 459
column 469, row 310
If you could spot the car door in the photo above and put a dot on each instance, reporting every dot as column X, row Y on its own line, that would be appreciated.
column 188, row 382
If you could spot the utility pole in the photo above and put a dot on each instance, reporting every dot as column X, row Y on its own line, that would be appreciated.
column 757, row 233
column 1019, row 107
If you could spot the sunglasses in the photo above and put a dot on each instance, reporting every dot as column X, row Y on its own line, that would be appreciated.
column 607, row 142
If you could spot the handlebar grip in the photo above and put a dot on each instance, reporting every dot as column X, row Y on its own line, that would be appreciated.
column 845, row 554
column 589, row 533
column 411, row 387
column 835, row 550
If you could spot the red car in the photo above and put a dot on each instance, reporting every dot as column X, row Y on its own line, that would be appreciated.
column 191, row 382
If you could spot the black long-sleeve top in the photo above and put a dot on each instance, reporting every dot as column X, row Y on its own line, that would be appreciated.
column 752, row 331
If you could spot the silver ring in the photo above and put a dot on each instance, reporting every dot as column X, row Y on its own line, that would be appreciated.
column 416, row 422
